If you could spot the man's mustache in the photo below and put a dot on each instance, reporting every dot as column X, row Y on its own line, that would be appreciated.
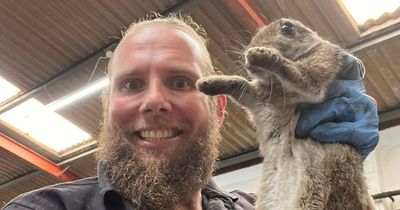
column 153, row 123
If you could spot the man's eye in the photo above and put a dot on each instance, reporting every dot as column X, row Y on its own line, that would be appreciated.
column 133, row 85
column 180, row 84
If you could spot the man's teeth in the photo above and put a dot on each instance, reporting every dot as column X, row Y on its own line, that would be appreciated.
column 156, row 134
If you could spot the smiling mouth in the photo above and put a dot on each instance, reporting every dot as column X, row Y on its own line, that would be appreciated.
column 157, row 134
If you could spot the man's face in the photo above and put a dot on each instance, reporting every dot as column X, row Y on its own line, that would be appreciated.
column 160, row 134
column 153, row 97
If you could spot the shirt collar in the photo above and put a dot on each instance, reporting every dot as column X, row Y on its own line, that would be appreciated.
column 104, row 180
column 110, row 195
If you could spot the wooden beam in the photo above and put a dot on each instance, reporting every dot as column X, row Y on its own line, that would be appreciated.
column 386, row 194
column 372, row 41
column 35, row 159
column 247, row 14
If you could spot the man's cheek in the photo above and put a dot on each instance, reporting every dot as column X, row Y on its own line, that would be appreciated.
column 120, row 111
column 200, row 109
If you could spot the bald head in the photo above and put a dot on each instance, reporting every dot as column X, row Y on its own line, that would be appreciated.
column 161, row 29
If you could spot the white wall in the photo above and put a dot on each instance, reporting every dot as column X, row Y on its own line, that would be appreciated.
column 245, row 179
column 382, row 169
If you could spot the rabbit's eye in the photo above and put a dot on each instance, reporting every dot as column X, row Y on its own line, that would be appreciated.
column 288, row 29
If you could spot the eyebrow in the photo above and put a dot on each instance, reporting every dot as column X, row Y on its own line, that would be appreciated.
column 174, row 69
column 182, row 69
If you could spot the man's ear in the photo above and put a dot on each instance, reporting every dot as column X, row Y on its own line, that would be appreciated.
column 220, row 109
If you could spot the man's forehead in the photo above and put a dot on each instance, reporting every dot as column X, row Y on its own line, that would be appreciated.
column 144, row 36
column 162, row 34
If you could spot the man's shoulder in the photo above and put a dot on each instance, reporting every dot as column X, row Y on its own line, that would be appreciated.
column 58, row 196
column 244, row 199
column 233, row 200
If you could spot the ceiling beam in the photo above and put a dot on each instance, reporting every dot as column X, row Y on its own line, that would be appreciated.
column 247, row 14
column 33, row 174
column 242, row 160
column 377, row 38
column 389, row 119
column 25, row 177
column 35, row 159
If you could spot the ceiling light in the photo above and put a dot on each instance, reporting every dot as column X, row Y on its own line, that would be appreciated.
column 79, row 94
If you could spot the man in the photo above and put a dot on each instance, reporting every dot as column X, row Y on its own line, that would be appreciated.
column 160, row 134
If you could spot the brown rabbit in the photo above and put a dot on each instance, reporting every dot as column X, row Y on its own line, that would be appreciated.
column 290, row 64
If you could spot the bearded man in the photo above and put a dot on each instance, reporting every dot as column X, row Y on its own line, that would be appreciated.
column 160, row 135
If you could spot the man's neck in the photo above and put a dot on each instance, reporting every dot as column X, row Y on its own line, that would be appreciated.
column 194, row 205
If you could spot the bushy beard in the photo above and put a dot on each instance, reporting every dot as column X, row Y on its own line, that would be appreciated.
column 151, row 179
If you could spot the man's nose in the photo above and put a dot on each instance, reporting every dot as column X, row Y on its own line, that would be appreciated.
column 156, row 100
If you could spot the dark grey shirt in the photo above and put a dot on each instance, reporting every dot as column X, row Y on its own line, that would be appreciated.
column 97, row 193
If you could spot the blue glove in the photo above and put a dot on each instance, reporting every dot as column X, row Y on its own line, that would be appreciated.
column 346, row 116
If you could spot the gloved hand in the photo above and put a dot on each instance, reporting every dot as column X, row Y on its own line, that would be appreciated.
column 346, row 116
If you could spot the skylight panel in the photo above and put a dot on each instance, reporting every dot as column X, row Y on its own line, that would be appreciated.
column 7, row 90
column 44, row 125
column 362, row 10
